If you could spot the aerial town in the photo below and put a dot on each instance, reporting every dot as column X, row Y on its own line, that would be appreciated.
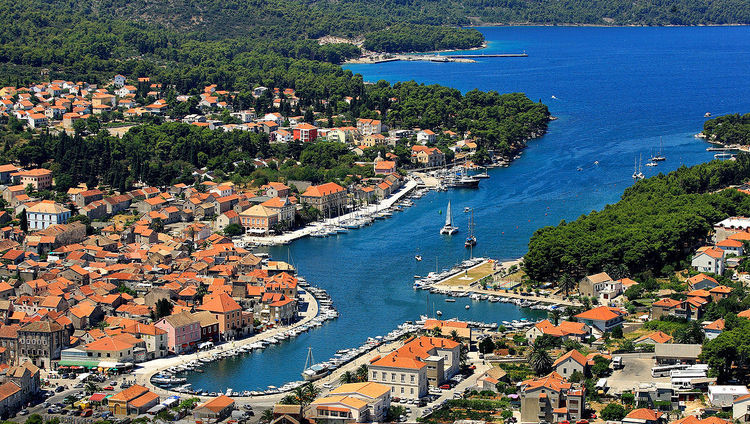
column 111, row 301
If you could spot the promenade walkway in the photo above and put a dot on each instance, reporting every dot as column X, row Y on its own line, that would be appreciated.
column 309, row 229
column 146, row 370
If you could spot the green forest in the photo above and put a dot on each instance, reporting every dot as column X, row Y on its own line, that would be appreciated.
column 728, row 129
column 653, row 228
column 422, row 38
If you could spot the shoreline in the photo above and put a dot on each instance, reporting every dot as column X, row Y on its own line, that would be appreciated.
column 532, row 24
column 306, row 231
column 146, row 370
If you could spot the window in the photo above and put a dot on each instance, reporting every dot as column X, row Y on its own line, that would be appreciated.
column 374, row 375
column 412, row 378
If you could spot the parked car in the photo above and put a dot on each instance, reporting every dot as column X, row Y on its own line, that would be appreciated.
column 87, row 412
column 109, row 388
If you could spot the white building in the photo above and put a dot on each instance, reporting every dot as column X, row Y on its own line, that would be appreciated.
column 724, row 396
column 46, row 213
column 426, row 137
column 119, row 80
column 709, row 259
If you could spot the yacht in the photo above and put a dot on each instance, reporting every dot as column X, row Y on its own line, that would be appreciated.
column 659, row 156
column 471, row 240
column 448, row 228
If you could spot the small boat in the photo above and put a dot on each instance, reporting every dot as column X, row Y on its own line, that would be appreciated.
column 554, row 97
column 579, row 169
column 467, row 307
column 418, row 258
column 450, row 300
column 652, row 163
column 707, row 115
column 596, row 162
column 438, row 313
column 467, row 209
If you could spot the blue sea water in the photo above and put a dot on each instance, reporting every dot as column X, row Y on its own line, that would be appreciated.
column 618, row 92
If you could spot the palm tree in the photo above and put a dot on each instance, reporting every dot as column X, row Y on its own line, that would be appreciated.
column 555, row 315
column 454, row 336
column 266, row 416
column 362, row 373
column 567, row 284
column 290, row 399
column 539, row 360
column 309, row 393
column 347, row 377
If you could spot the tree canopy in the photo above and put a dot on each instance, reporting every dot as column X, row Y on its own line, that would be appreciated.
column 649, row 229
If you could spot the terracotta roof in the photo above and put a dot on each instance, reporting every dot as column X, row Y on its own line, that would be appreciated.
column 656, row 336
column 574, row 355
column 144, row 399
column 218, row 403
column 322, row 190
column 667, row 303
column 129, row 394
column 644, row 414
column 368, row 389
column 701, row 277
column 601, row 313
column 717, row 325
column 219, row 303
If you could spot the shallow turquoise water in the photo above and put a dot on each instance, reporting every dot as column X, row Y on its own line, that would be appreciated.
column 618, row 91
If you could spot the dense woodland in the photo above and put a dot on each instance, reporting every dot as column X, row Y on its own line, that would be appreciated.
column 728, row 129
column 653, row 228
column 421, row 38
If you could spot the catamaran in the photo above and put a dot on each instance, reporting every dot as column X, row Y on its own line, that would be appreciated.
column 448, row 228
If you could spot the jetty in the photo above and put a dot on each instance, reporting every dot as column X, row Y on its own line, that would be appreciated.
column 483, row 55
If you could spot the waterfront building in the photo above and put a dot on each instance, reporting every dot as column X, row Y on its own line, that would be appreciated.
column 259, row 219
column 228, row 312
column 421, row 362
column 214, row 410
column 447, row 328
column 183, row 331
column 328, row 198
column 134, row 400
column 283, row 207
column 353, row 402
column 427, row 156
